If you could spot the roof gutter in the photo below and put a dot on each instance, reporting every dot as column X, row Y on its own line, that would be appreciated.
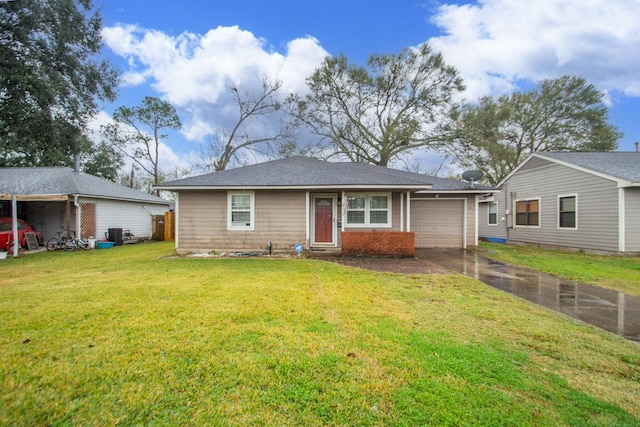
column 295, row 187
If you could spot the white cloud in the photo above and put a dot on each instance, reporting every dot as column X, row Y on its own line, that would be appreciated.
column 194, row 72
column 497, row 43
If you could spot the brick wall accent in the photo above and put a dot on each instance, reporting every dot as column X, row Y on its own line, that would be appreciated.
column 378, row 243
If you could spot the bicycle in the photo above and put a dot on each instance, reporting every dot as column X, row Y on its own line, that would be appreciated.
column 60, row 242
column 81, row 243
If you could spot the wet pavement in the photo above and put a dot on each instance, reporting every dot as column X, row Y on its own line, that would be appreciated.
column 612, row 311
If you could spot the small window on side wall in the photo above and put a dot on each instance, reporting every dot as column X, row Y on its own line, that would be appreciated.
column 240, row 211
column 493, row 213
column 528, row 212
column 567, row 208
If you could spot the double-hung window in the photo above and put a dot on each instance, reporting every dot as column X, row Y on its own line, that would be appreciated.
column 567, row 207
column 493, row 213
column 528, row 212
column 241, row 211
column 369, row 210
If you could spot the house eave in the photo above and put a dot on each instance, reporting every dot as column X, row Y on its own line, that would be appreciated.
column 461, row 191
column 124, row 199
column 295, row 187
column 65, row 197
column 35, row 197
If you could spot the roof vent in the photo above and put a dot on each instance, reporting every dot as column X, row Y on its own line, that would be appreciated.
column 76, row 163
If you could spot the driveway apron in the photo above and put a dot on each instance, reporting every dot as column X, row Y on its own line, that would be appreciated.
column 612, row 311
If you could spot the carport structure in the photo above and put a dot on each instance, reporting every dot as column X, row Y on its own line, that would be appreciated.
column 60, row 200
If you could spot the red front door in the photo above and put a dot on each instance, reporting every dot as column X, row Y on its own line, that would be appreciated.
column 324, row 220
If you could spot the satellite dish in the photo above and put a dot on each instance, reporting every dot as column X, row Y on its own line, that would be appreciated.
column 472, row 176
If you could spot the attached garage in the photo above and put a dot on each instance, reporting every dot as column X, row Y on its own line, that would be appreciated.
column 438, row 223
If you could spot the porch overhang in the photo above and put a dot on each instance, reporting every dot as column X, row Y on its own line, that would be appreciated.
column 35, row 197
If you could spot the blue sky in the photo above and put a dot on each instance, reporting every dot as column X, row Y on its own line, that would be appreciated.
column 189, row 52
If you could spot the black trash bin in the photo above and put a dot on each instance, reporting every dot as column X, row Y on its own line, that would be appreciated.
column 115, row 236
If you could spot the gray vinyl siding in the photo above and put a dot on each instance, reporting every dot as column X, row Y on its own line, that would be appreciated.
column 499, row 230
column 632, row 218
column 597, row 207
column 202, row 222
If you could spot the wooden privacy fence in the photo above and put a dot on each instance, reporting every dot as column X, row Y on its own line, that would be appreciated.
column 163, row 227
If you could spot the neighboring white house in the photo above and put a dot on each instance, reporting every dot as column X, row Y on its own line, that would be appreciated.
column 57, row 199
column 576, row 200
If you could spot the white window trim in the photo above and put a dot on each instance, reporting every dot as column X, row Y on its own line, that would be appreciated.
column 230, row 226
column 562, row 196
column 489, row 214
column 515, row 212
column 367, row 210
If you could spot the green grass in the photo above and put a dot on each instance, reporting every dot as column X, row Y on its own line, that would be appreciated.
column 129, row 336
column 611, row 272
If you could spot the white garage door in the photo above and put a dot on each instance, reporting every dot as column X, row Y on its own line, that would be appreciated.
column 438, row 223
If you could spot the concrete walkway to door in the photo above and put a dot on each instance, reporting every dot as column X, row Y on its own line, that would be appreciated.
column 612, row 311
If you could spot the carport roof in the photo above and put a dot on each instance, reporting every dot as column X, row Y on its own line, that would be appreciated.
column 57, row 183
column 306, row 172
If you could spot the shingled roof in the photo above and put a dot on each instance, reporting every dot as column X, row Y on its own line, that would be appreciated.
column 305, row 172
column 616, row 164
column 61, row 181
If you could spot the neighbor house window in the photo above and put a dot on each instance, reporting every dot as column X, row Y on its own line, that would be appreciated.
column 241, row 211
column 567, row 211
column 528, row 212
column 369, row 210
column 493, row 213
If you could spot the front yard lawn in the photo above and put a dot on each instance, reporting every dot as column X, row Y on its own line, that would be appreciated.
column 620, row 273
column 130, row 336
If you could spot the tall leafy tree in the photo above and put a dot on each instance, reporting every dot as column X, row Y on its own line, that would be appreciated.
column 103, row 160
column 50, row 80
column 137, row 132
column 374, row 114
column 564, row 114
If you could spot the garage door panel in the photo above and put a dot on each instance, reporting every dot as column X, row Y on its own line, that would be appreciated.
column 438, row 223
